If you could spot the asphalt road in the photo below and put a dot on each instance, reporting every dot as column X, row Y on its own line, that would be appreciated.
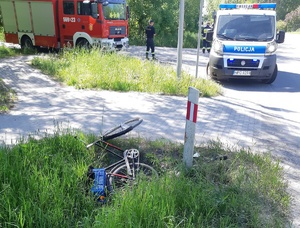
column 268, row 114
column 249, row 114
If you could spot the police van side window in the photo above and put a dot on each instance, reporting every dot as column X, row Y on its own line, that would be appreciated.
column 68, row 8
column 83, row 8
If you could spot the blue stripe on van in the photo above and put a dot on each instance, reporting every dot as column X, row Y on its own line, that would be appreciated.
column 244, row 49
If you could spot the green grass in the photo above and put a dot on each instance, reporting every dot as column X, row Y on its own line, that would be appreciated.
column 7, row 97
column 1, row 34
column 9, row 52
column 43, row 184
column 6, row 51
column 113, row 71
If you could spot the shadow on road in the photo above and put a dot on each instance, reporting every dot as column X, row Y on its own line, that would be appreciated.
column 285, row 82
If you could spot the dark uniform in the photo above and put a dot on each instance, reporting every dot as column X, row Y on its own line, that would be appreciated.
column 150, row 32
column 206, row 44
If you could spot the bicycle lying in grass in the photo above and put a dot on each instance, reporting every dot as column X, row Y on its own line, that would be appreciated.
column 126, row 171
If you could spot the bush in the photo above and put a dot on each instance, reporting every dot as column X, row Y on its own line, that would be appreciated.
column 190, row 40
column 1, row 21
column 293, row 20
column 281, row 25
column 1, row 34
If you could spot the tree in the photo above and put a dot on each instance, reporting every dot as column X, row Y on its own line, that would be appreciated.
column 283, row 6
column 1, row 22
column 293, row 20
column 286, row 6
column 164, row 14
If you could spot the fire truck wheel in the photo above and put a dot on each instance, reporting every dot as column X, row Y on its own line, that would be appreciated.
column 26, row 43
column 83, row 43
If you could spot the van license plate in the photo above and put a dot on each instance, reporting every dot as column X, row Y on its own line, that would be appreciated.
column 241, row 73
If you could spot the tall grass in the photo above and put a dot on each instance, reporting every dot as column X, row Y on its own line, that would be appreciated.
column 113, row 71
column 1, row 34
column 8, row 52
column 43, row 184
column 7, row 97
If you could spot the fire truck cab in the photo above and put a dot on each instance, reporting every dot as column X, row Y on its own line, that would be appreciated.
column 66, row 23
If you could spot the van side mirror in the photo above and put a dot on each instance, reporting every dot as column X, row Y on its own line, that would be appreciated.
column 280, row 37
column 209, row 35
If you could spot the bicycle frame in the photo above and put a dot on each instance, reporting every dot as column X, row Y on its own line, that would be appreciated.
column 124, row 159
column 126, row 168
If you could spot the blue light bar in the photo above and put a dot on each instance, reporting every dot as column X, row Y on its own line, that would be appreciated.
column 249, row 6
column 227, row 6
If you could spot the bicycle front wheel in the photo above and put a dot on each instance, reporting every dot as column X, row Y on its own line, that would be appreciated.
column 122, row 129
column 140, row 171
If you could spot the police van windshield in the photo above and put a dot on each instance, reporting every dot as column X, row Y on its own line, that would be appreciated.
column 246, row 27
column 113, row 11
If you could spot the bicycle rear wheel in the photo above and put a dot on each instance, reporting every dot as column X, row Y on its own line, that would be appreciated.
column 122, row 129
column 120, row 177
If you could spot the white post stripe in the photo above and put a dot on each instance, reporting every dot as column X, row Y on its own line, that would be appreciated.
column 190, row 126
column 192, row 111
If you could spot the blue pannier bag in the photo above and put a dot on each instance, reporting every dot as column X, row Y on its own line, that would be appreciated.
column 98, row 189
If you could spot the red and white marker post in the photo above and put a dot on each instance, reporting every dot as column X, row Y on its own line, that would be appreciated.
column 190, row 126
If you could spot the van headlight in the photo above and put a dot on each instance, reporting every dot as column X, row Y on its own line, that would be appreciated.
column 271, row 47
column 218, row 47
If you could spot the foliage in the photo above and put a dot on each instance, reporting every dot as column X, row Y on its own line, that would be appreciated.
column 7, row 97
column 286, row 6
column 43, row 184
column 7, row 52
column 1, row 21
column 292, row 20
column 166, row 17
column 164, row 14
column 190, row 40
column 281, row 25
column 283, row 6
column 119, row 72
column 1, row 33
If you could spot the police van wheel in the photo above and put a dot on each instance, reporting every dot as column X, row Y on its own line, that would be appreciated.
column 208, row 72
column 273, row 77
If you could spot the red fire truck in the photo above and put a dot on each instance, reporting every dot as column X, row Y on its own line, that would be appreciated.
column 66, row 23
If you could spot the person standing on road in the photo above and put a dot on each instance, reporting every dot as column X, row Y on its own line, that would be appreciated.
column 150, row 33
column 206, row 44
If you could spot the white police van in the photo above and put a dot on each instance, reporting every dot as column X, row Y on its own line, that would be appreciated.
column 244, row 42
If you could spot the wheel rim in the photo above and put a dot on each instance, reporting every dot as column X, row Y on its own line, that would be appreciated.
column 208, row 74
column 120, row 177
column 27, row 43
